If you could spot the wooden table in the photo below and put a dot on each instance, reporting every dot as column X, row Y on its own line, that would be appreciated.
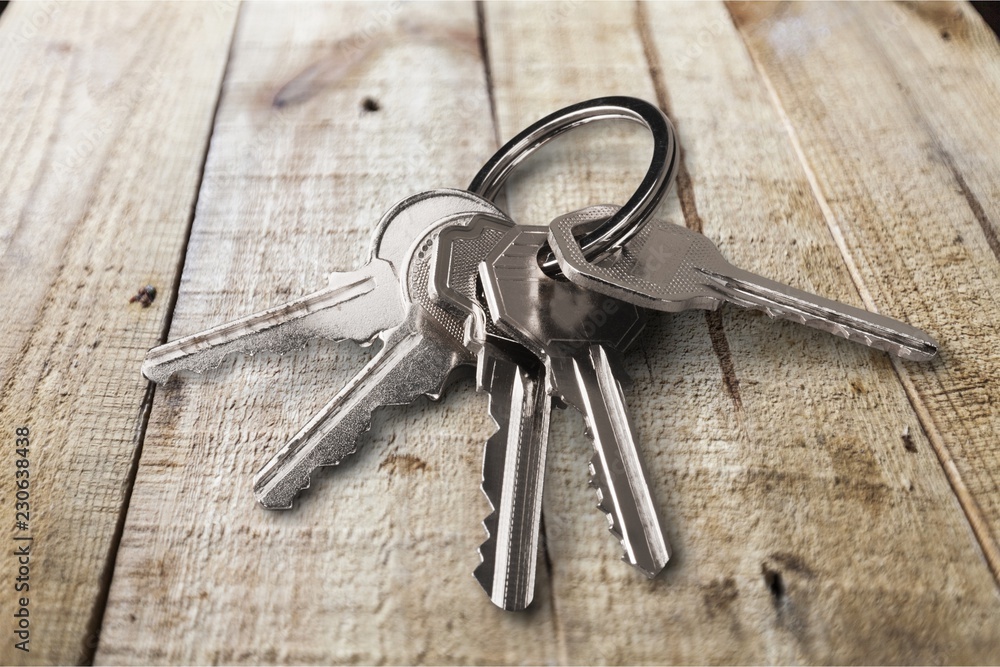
column 826, row 503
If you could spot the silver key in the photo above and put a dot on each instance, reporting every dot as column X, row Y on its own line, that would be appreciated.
column 514, row 456
column 417, row 358
column 578, row 334
column 513, row 473
column 671, row 268
column 357, row 305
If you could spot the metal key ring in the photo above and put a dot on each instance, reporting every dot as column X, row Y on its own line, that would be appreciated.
column 597, row 243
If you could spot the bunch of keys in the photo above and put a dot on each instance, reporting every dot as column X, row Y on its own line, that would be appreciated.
column 452, row 281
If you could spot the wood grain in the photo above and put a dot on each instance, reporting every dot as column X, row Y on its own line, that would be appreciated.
column 825, row 503
column 374, row 563
column 106, row 112
column 911, row 191
column 951, row 40
column 805, row 528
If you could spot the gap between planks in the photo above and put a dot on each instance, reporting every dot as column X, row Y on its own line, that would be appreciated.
column 96, row 623
column 689, row 206
column 925, row 419
column 970, row 507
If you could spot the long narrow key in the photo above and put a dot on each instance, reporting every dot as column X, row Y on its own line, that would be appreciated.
column 357, row 305
column 417, row 358
column 513, row 472
column 671, row 268
column 578, row 334
column 514, row 456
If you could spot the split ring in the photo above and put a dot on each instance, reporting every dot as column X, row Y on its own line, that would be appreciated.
column 613, row 233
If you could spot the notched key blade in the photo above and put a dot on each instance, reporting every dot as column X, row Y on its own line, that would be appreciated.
column 671, row 268
column 616, row 469
column 747, row 290
column 411, row 364
column 514, row 455
column 513, row 472
column 599, row 482
column 574, row 330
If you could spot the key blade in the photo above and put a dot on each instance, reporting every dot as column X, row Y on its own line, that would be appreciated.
column 411, row 364
column 356, row 305
column 513, row 472
column 671, row 268
column 590, row 384
column 514, row 456
column 573, row 329
column 777, row 300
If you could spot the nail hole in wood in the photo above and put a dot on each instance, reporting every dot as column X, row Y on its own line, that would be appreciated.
column 774, row 582
column 370, row 104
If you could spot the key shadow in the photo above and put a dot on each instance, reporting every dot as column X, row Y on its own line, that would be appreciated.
column 375, row 446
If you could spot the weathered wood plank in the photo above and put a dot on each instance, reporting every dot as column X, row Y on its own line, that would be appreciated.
column 806, row 530
column 106, row 112
column 912, row 191
column 957, row 103
column 374, row 563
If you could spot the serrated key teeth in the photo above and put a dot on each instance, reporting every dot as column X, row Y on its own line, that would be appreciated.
column 649, row 561
column 271, row 504
column 646, row 549
column 271, row 501
column 149, row 372
column 482, row 573
column 275, row 496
